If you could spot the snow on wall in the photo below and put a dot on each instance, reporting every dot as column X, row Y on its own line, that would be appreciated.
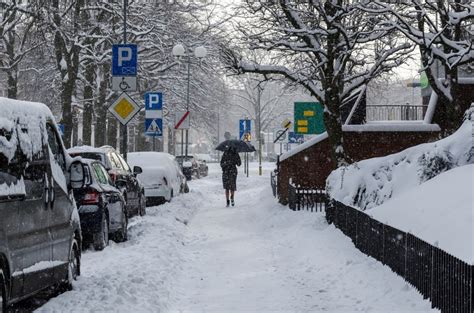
column 17, row 188
column 304, row 146
column 448, row 204
column 371, row 182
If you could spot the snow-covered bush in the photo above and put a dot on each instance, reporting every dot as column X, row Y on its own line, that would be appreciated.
column 371, row 182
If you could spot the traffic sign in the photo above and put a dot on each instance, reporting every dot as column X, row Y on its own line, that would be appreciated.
column 245, row 127
column 280, row 135
column 124, row 60
column 309, row 118
column 124, row 83
column 124, row 108
column 286, row 123
column 295, row 138
column 153, row 101
column 154, row 114
column 154, row 127
column 61, row 129
column 182, row 120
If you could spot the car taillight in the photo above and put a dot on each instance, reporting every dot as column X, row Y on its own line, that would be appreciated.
column 91, row 197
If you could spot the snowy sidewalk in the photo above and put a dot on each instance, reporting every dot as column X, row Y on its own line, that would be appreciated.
column 261, row 257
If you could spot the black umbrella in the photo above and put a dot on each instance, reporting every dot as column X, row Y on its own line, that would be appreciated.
column 238, row 145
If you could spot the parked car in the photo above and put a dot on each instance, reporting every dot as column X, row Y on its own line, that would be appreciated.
column 101, row 206
column 187, row 165
column 118, row 169
column 161, row 176
column 40, row 232
column 202, row 160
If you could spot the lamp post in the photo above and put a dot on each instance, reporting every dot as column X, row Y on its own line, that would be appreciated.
column 180, row 51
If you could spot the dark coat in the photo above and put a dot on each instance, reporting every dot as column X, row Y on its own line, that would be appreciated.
column 229, row 162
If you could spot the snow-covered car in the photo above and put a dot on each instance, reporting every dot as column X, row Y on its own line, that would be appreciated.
column 101, row 206
column 161, row 175
column 118, row 169
column 40, row 234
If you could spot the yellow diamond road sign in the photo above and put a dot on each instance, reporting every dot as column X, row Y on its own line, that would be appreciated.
column 124, row 108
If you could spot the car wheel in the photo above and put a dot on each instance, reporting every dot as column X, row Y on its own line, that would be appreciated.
column 101, row 238
column 122, row 234
column 73, row 268
column 3, row 293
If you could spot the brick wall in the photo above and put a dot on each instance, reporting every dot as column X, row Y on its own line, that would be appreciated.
column 312, row 166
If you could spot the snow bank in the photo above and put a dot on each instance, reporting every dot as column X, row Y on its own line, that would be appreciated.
column 371, row 182
column 27, row 133
column 15, row 188
column 444, row 218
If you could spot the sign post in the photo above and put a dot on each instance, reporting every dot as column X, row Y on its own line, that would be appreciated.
column 245, row 134
column 182, row 121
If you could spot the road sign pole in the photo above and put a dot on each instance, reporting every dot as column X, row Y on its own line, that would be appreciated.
column 182, row 147
column 154, row 143
column 124, row 127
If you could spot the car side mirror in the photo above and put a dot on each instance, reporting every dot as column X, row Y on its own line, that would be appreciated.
column 77, row 175
column 137, row 170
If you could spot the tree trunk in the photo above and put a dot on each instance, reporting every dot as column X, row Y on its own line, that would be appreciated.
column 12, row 73
column 88, row 104
column 101, row 106
column 66, row 100
column 112, row 126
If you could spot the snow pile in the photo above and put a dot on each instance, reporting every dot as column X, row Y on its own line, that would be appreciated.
column 134, row 276
column 444, row 218
column 15, row 188
column 22, row 124
column 371, row 182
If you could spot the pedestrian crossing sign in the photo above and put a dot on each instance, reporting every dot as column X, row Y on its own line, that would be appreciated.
column 154, row 127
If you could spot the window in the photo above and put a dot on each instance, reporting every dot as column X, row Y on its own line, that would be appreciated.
column 107, row 176
column 115, row 161
column 56, row 147
column 124, row 163
column 101, row 178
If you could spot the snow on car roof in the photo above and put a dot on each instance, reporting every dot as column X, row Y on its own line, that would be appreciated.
column 31, row 128
column 83, row 149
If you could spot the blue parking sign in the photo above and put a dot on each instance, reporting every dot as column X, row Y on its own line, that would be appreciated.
column 153, row 101
column 244, row 128
column 124, row 60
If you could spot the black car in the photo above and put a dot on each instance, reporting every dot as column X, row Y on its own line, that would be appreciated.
column 119, row 170
column 101, row 206
column 40, row 234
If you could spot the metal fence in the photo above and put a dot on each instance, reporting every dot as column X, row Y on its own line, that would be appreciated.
column 395, row 112
column 444, row 279
column 310, row 199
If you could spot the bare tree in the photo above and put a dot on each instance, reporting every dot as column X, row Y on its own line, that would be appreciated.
column 330, row 48
column 443, row 31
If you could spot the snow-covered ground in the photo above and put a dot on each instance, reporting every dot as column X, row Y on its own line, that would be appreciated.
column 195, row 255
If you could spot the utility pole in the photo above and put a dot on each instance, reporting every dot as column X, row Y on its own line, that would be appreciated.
column 124, row 127
column 259, row 134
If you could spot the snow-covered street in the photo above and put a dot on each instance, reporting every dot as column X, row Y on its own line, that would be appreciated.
column 195, row 255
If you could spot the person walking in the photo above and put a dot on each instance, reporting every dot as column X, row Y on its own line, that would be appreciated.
column 229, row 162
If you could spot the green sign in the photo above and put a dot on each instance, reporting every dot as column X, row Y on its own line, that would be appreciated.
column 309, row 118
column 424, row 80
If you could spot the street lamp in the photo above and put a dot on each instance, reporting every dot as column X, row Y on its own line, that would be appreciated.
column 180, row 51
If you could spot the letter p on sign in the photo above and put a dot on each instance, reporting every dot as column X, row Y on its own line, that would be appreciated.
column 124, row 55
column 124, row 60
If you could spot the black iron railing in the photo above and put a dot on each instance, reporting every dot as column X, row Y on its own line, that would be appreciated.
column 395, row 112
column 436, row 274
column 303, row 198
